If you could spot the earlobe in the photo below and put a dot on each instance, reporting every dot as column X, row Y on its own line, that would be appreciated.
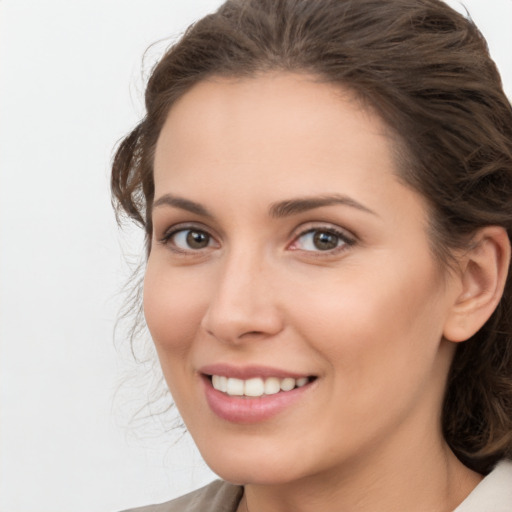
column 483, row 274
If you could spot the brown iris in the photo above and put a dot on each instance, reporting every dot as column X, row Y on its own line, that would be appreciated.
column 324, row 241
column 197, row 239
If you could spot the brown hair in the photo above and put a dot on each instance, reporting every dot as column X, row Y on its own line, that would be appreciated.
column 426, row 70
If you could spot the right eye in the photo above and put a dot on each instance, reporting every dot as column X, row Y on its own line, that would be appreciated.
column 188, row 239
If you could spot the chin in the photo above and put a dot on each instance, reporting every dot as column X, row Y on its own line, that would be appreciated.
column 254, row 466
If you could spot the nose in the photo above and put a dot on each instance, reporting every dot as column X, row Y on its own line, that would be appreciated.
column 243, row 305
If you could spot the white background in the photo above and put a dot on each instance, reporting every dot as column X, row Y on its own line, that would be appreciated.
column 71, row 85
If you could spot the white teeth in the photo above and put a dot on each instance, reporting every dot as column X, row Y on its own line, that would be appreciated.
column 256, row 386
column 302, row 382
column 222, row 383
column 272, row 386
column 287, row 384
column 235, row 387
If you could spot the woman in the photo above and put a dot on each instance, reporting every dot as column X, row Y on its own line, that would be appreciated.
column 326, row 193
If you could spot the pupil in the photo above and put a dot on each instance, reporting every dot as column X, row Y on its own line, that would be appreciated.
column 325, row 241
column 197, row 239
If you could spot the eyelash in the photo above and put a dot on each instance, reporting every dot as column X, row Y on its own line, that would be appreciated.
column 344, row 241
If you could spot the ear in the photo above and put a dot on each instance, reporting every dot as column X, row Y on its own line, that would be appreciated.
column 482, row 278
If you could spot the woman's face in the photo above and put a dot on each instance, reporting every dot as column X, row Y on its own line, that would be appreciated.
column 287, row 254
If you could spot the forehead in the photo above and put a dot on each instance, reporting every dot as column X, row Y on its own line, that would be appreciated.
column 298, row 103
column 265, row 117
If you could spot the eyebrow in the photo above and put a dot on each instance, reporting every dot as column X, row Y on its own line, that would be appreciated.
column 183, row 204
column 302, row 204
column 280, row 209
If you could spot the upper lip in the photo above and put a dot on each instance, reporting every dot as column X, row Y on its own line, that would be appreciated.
column 249, row 372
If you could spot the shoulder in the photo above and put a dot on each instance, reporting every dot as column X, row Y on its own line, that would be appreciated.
column 218, row 496
column 493, row 493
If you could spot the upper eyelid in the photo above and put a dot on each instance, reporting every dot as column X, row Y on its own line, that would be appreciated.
column 308, row 227
column 184, row 226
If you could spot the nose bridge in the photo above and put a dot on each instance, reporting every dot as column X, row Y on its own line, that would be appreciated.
column 243, row 302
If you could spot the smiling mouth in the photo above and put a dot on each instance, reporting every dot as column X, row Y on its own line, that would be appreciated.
column 257, row 386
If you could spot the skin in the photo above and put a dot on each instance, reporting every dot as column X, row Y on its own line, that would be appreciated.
column 371, row 319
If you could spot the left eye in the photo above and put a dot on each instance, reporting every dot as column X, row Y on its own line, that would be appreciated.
column 187, row 239
column 319, row 240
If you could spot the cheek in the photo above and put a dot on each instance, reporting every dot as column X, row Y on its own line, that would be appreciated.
column 375, row 327
column 173, row 308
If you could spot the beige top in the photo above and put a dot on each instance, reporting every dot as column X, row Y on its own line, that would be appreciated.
column 492, row 494
column 218, row 496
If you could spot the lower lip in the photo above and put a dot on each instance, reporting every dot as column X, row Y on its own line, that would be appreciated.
column 238, row 409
